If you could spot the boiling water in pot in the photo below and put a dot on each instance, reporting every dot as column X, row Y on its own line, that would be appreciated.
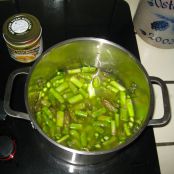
column 85, row 109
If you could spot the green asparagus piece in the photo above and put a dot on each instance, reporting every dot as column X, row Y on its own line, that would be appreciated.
column 65, row 137
column 122, row 98
column 75, row 99
column 126, row 129
column 130, row 107
column 57, row 95
column 101, row 123
column 86, row 76
column 81, row 113
column 62, row 87
column 47, row 112
column 99, row 112
column 104, row 118
column 52, row 130
column 83, row 92
column 76, row 82
column 74, row 71
column 74, row 134
column 57, row 82
column 110, row 141
column 124, row 114
column 113, row 89
column 79, row 106
column 117, row 120
column 75, row 126
column 67, row 95
column 60, row 118
column 117, row 85
column 56, row 78
column 88, row 69
column 113, row 127
column 73, row 88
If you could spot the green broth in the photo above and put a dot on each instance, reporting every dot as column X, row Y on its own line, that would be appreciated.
column 85, row 109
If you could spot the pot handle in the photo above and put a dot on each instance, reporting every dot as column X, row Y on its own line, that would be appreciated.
column 166, row 103
column 7, row 97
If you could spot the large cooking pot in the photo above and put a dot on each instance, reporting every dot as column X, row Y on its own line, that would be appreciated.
column 113, row 58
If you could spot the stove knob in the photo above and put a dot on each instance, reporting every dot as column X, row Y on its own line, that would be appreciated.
column 7, row 148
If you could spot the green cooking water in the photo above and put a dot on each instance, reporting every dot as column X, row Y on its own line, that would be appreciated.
column 85, row 109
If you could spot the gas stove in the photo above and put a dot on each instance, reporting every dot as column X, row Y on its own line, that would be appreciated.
column 62, row 20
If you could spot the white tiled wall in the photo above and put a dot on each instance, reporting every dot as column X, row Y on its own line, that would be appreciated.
column 160, row 63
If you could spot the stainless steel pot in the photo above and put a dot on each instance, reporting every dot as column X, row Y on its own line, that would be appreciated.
column 101, row 53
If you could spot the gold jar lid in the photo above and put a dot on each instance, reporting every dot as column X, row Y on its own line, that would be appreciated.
column 21, row 29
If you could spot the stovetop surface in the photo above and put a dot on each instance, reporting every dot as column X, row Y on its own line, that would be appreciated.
column 62, row 20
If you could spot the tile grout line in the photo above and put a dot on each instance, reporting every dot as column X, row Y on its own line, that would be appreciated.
column 165, row 144
column 169, row 81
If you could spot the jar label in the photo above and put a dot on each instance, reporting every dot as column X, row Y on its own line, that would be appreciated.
column 27, row 55
column 164, row 4
column 19, row 25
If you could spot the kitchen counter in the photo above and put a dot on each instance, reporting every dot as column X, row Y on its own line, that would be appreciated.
column 160, row 63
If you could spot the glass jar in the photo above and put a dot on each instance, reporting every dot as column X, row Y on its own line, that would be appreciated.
column 23, row 35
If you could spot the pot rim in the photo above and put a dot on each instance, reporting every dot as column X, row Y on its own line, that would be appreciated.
column 119, row 147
